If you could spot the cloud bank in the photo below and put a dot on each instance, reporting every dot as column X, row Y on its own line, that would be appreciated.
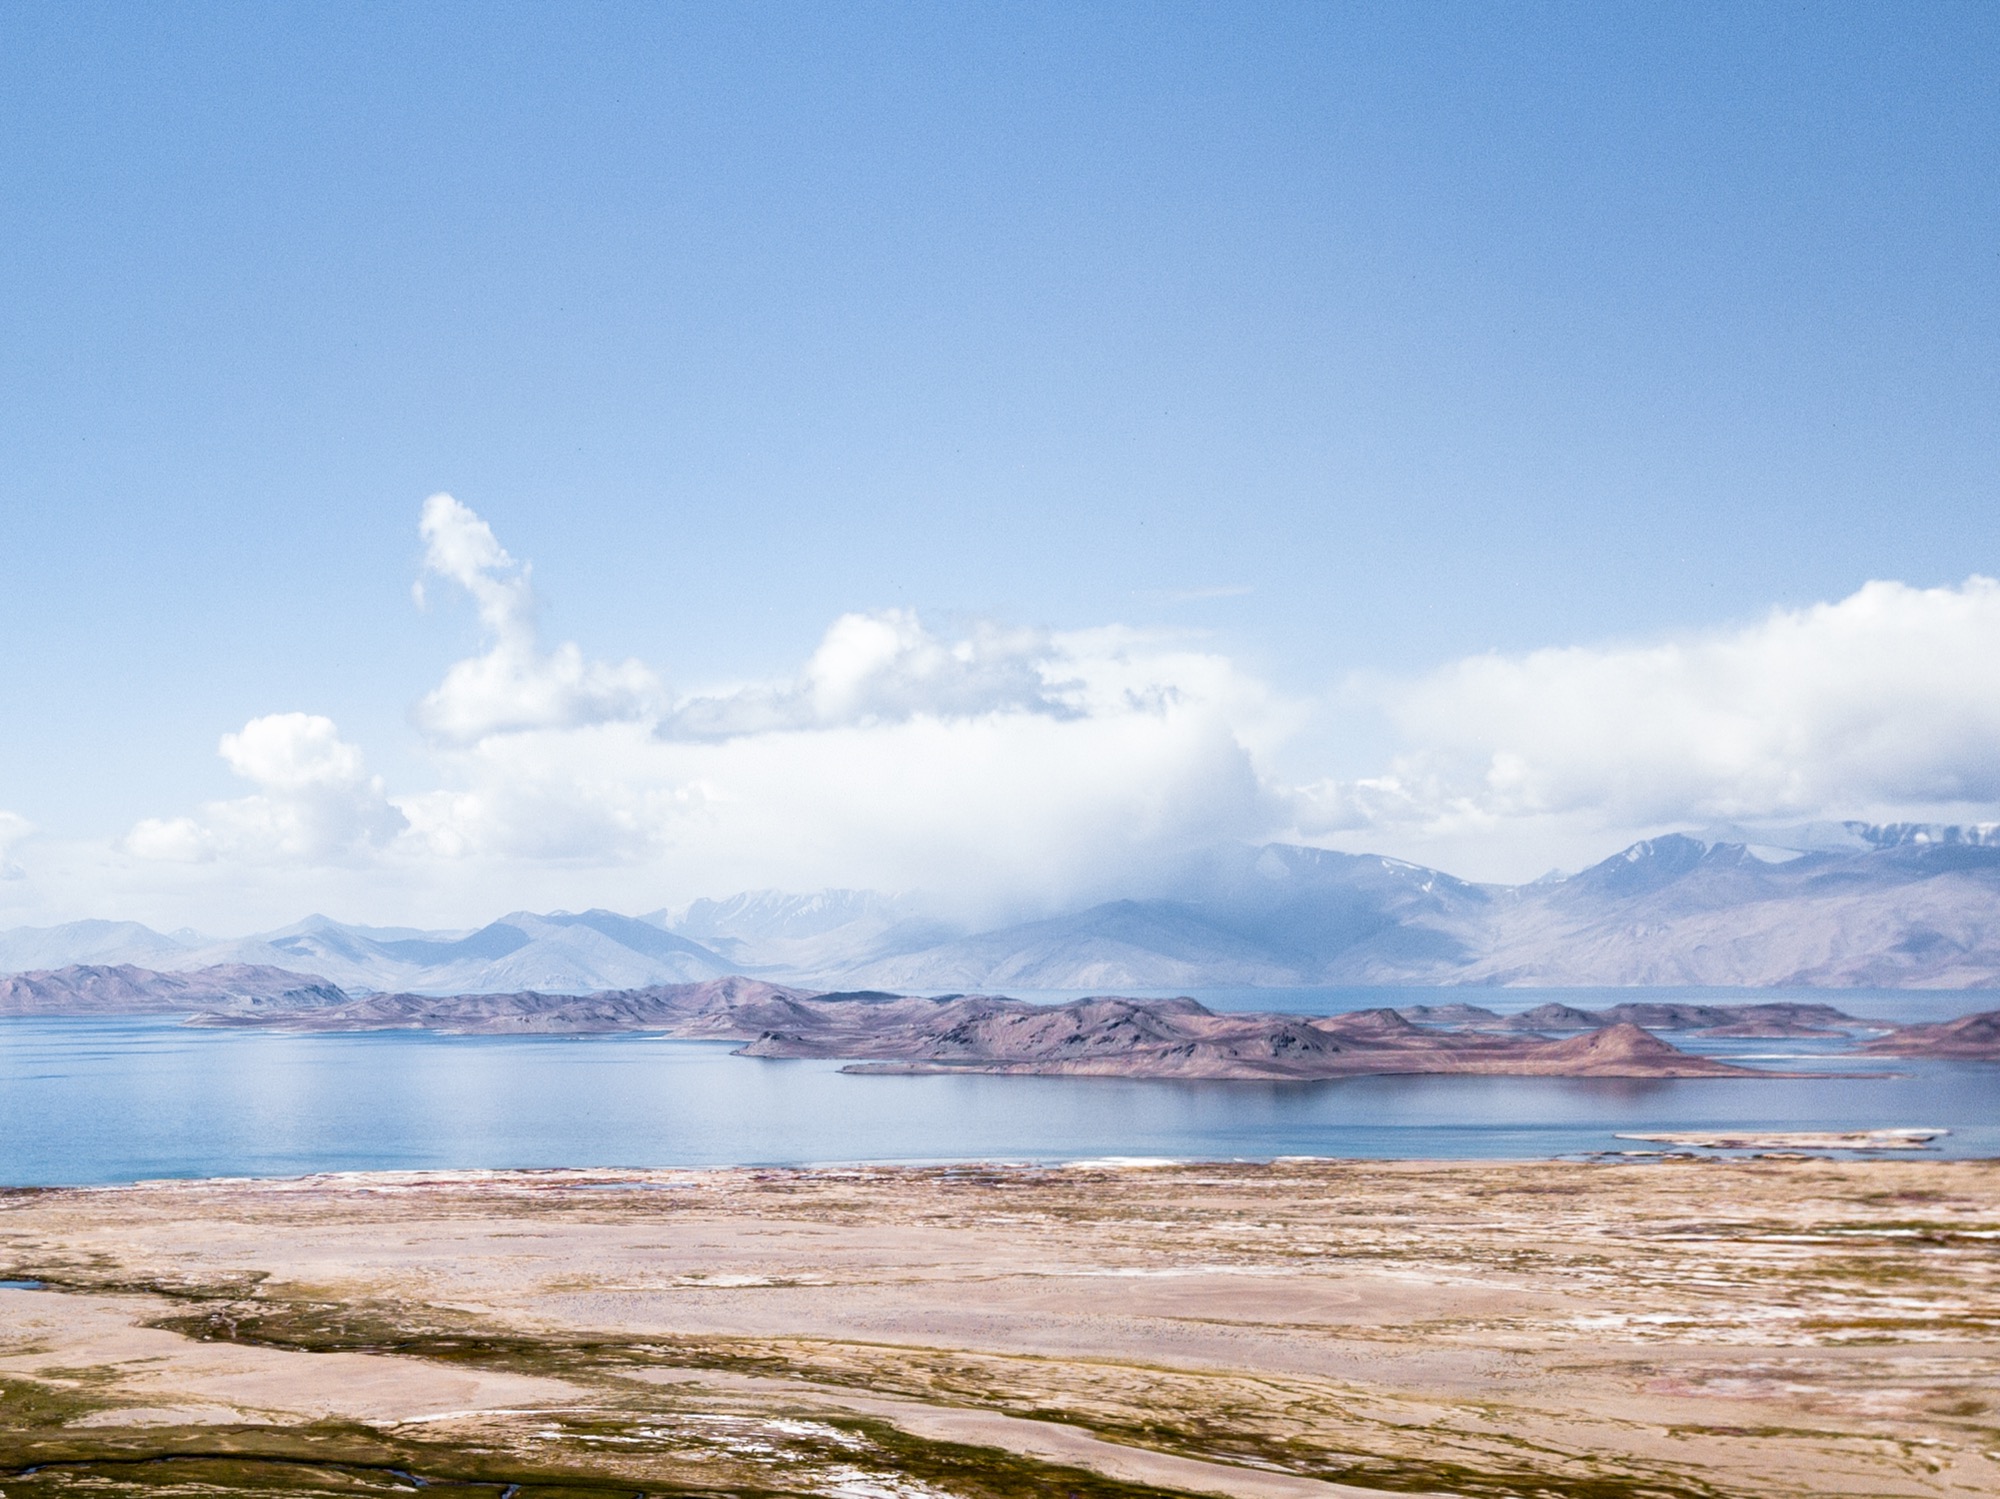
column 989, row 769
column 1003, row 771
column 1888, row 700
column 314, row 801
column 995, row 768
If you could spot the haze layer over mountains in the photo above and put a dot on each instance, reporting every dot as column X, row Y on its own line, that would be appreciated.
column 1834, row 905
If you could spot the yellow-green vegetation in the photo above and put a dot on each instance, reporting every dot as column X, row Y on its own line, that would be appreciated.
column 598, row 1452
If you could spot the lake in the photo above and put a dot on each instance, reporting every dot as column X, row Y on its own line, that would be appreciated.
column 95, row 1101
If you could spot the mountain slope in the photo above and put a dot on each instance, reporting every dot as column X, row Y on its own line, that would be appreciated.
column 1856, row 905
column 1865, row 906
column 1124, row 944
column 560, row 953
column 1278, row 915
column 1677, row 911
column 30, row 947
column 830, row 931
column 99, row 989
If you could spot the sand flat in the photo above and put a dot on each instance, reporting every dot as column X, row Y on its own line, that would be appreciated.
column 1677, row 1327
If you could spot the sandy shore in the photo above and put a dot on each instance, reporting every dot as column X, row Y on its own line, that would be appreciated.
column 1309, row 1328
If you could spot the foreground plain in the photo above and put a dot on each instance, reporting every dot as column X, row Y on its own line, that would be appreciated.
column 1581, row 1331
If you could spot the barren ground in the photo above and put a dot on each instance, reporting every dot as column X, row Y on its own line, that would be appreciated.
column 1679, row 1328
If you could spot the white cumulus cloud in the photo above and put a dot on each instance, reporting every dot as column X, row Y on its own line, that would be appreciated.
column 887, row 666
column 991, row 767
column 314, row 800
column 514, row 683
column 998, row 804
column 989, row 764
column 1886, row 699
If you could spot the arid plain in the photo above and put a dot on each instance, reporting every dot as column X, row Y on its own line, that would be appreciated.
column 1590, row 1331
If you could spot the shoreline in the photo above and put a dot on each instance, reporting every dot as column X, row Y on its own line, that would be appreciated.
column 1681, row 1147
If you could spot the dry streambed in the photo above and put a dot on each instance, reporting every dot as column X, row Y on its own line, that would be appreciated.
column 1569, row 1330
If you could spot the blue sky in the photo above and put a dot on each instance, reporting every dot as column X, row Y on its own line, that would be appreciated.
column 1330, row 346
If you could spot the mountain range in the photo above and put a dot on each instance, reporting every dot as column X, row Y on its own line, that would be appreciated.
column 558, row 953
column 1827, row 905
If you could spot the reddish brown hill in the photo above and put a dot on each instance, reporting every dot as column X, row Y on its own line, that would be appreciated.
column 1974, row 1038
column 121, row 989
column 1625, row 1050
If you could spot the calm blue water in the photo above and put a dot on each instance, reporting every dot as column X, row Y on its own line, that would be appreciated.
column 84, row 1101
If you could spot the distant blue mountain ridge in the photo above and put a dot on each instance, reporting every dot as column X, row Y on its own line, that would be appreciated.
column 1822, row 905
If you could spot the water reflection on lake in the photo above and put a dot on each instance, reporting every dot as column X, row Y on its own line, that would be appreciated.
column 105, row 1101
